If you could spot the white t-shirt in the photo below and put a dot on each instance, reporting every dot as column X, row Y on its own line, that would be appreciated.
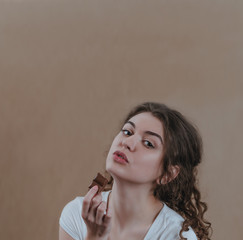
column 166, row 225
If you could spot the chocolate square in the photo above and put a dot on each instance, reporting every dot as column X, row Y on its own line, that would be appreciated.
column 100, row 181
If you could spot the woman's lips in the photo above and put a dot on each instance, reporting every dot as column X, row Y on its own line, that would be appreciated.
column 120, row 157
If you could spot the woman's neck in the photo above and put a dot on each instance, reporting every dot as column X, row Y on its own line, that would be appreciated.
column 133, row 206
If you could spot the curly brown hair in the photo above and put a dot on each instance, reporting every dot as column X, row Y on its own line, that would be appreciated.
column 182, row 147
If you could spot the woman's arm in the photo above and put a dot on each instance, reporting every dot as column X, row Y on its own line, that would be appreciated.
column 63, row 235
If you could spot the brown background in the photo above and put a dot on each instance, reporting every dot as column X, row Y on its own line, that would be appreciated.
column 70, row 70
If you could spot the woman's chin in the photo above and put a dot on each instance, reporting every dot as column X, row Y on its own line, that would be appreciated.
column 111, row 171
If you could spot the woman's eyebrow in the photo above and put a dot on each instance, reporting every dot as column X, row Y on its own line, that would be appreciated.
column 148, row 132
column 155, row 134
column 132, row 123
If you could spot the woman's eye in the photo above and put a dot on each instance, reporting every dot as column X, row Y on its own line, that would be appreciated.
column 126, row 132
column 148, row 144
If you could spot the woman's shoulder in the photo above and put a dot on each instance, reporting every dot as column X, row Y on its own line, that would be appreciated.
column 171, row 215
column 71, row 220
column 74, row 204
column 173, row 221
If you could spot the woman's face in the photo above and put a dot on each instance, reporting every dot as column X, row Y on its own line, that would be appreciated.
column 136, row 152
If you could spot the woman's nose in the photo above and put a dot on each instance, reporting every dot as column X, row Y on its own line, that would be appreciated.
column 130, row 143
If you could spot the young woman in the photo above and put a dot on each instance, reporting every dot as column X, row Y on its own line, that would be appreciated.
column 153, row 196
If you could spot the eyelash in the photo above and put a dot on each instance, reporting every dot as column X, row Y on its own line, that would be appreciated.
column 129, row 133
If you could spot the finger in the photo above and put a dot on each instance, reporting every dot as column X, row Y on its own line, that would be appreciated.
column 87, row 201
column 94, row 204
column 100, row 213
column 108, row 216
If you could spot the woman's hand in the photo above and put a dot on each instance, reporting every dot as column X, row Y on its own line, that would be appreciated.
column 98, row 224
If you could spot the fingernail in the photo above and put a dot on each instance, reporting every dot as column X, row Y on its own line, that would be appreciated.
column 95, row 187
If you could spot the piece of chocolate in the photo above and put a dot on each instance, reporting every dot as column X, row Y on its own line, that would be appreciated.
column 100, row 181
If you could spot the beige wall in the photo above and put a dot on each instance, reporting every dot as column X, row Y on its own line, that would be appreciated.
column 70, row 70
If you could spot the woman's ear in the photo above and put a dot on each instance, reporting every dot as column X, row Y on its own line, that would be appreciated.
column 171, row 175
